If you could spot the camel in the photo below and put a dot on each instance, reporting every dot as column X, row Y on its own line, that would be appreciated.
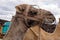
column 26, row 17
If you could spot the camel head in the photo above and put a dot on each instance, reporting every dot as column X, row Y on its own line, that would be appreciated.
column 33, row 16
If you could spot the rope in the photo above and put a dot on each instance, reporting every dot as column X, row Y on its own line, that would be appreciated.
column 39, row 28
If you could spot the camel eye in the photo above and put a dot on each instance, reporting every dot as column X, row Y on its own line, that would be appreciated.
column 22, row 9
column 32, row 14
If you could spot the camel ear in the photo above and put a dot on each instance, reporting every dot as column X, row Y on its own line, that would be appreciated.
column 17, row 7
column 48, row 28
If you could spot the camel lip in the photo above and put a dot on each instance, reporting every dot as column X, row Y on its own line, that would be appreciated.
column 51, row 30
column 48, row 28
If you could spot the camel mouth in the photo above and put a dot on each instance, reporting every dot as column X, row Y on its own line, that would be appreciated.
column 49, row 28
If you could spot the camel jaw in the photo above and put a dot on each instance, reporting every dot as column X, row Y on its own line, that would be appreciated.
column 49, row 28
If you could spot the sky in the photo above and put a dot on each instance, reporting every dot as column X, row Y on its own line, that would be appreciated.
column 7, row 7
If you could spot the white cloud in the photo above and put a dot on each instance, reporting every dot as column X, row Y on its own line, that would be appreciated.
column 6, row 17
